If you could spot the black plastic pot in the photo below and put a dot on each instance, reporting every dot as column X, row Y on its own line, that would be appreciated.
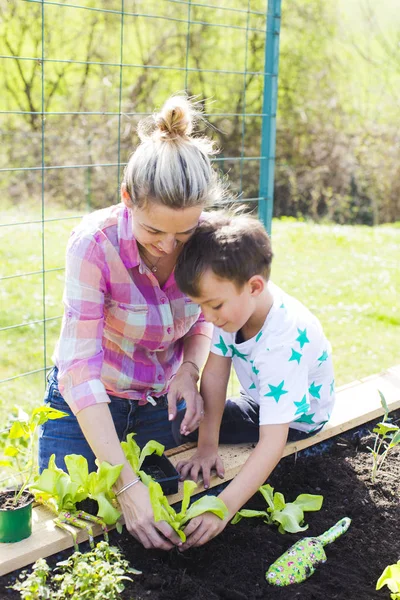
column 163, row 471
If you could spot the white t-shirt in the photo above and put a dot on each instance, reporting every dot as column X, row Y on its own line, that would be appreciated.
column 287, row 367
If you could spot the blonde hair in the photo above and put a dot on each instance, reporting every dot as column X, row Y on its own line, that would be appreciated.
column 171, row 166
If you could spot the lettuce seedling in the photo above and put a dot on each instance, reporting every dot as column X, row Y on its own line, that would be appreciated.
column 391, row 578
column 98, row 574
column 61, row 492
column 387, row 436
column 20, row 454
column 288, row 515
column 164, row 512
column 135, row 456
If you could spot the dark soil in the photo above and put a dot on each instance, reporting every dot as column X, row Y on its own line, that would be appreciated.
column 233, row 566
column 7, row 500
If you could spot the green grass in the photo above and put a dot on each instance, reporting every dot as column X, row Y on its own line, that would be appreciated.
column 348, row 276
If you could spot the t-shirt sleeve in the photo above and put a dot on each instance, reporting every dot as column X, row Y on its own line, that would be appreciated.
column 283, row 385
column 221, row 343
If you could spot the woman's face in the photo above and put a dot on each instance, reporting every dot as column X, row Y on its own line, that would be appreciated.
column 161, row 230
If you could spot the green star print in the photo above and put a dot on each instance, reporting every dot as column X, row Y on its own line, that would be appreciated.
column 306, row 419
column 314, row 390
column 276, row 391
column 222, row 346
column 236, row 352
column 323, row 357
column 302, row 339
column 254, row 369
column 295, row 356
column 302, row 406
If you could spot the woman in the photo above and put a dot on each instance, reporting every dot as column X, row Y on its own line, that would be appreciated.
column 131, row 344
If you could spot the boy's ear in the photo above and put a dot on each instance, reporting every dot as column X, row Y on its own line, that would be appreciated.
column 257, row 285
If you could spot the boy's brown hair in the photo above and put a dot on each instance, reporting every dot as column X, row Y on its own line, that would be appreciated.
column 233, row 247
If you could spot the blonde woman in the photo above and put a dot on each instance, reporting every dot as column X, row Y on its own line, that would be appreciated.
column 131, row 344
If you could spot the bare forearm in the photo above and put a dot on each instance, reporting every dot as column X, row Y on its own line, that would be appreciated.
column 99, row 430
column 196, row 349
column 256, row 470
column 213, row 391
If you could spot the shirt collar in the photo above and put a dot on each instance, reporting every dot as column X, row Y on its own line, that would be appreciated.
column 128, row 248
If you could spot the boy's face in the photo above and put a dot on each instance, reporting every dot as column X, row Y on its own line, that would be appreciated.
column 223, row 303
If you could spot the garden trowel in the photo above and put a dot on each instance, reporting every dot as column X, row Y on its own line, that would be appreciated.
column 299, row 562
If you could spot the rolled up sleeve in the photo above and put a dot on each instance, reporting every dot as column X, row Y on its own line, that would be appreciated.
column 79, row 353
column 201, row 327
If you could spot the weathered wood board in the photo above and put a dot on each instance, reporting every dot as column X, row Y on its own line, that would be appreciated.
column 357, row 403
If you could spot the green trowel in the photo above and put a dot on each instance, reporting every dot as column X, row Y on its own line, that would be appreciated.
column 299, row 562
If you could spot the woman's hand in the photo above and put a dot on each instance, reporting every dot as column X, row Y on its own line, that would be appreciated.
column 184, row 385
column 139, row 520
column 202, row 529
column 203, row 462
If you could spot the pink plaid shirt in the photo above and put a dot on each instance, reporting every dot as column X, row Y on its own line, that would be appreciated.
column 122, row 334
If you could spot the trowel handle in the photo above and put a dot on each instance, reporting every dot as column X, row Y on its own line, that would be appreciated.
column 334, row 532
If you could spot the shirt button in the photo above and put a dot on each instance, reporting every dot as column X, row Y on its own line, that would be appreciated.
column 163, row 300
column 169, row 330
column 159, row 377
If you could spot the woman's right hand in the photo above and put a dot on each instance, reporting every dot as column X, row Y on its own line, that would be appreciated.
column 202, row 461
column 139, row 520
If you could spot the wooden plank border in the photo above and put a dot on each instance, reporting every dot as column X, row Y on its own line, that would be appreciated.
column 357, row 403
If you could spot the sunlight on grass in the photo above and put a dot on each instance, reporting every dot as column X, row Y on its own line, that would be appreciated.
column 348, row 276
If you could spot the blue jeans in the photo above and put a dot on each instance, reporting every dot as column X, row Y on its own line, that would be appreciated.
column 64, row 436
column 239, row 425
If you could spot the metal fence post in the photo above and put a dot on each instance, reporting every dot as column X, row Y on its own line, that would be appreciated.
column 268, row 130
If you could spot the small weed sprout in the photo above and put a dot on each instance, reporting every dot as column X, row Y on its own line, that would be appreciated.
column 97, row 574
column 387, row 436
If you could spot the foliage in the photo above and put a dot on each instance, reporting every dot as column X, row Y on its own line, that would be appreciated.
column 136, row 456
column 20, row 454
column 337, row 150
column 164, row 512
column 95, row 575
column 391, row 578
column 62, row 491
column 387, row 436
column 288, row 515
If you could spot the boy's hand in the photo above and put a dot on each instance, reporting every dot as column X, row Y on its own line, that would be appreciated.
column 202, row 529
column 201, row 462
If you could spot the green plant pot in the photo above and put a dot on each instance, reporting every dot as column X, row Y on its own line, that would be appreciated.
column 16, row 524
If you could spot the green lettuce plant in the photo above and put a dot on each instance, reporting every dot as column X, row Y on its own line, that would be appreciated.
column 19, row 453
column 391, row 578
column 164, row 512
column 135, row 456
column 289, row 516
column 95, row 575
column 61, row 492
column 387, row 436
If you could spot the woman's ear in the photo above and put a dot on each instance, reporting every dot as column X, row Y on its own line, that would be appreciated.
column 257, row 285
column 125, row 196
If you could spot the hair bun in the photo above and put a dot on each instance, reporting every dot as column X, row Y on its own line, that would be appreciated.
column 176, row 118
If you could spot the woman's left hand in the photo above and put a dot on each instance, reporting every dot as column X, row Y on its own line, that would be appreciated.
column 202, row 529
column 184, row 385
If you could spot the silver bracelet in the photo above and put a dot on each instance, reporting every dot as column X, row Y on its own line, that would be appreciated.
column 190, row 362
column 127, row 486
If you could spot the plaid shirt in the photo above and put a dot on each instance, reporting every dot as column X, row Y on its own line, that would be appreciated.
column 122, row 334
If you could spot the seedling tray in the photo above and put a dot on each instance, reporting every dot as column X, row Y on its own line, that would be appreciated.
column 161, row 469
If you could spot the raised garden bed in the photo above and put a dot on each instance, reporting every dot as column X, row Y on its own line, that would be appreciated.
column 233, row 565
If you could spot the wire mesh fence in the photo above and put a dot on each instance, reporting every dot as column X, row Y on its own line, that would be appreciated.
column 75, row 79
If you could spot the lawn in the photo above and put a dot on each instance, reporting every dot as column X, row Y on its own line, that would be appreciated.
column 348, row 276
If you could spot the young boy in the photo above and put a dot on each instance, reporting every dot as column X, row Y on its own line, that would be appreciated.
column 278, row 349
